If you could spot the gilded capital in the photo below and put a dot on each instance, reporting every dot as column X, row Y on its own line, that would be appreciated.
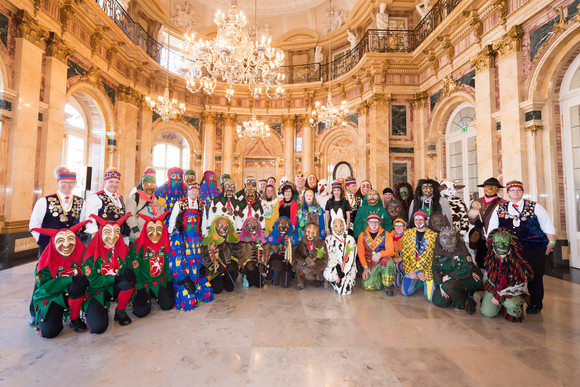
column 378, row 101
column 501, row 7
column 129, row 95
column 420, row 100
column 230, row 118
column 209, row 117
column 66, row 13
column 288, row 120
column 510, row 43
column 57, row 48
column 362, row 108
column 484, row 60
column 29, row 29
column 533, row 128
column 93, row 76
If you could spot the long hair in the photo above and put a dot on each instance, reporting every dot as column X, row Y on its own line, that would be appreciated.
column 342, row 194
column 418, row 204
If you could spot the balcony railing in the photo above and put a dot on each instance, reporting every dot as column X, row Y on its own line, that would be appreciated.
column 372, row 41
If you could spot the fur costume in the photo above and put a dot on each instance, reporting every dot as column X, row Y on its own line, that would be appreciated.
column 185, row 263
column 405, row 197
column 395, row 210
column 310, row 258
column 173, row 189
column 431, row 204
column 252, row 254
column 219, row 255
column 341, row 270
column 448, row 190
column 279, row 251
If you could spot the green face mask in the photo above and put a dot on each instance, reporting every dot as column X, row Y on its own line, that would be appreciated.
column 502, row 243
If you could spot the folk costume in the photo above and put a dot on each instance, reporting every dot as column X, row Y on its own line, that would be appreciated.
column 371, row 204
column 398, row 247
column 428, row 198
column 279, row 251
column 144, row 202
column 173, row 190
column 107, row 205
column 149, row 171
column 253, row 258
column 382, row 273
column 220, row 255
column 323, row 193
column 404, row 194
column 341, row 269
column 185, row 262
column 508, row 275
column 208, row 188
column 460, row 221
column 455, row 274
column 354, row 200
column 60, row 283
column 149, row 257
column 310, row 213
column 225, row 204
column 185, row 204
column 310, row 258
column 289, row 208
column 110, row 275
column 271, row 213
column 248, row 204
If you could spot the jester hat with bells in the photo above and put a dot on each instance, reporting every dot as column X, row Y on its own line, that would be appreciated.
column 144, row 240
column 97, row 248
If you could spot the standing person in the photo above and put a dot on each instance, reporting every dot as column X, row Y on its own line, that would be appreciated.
column 300, row 183
column 287, row 206
column 272, row 181
column 148, row 171
column 145, row 202
column 57, row 211
column 323, row 193
column 418, row 247
column 312, row 182
column 208, row 189
column 189, row 177
column 310, row 212
column 428, row 198
column 479, row 215
column 353, row 200
column 225, row 204
column 270, row 206
column 371, row 204
column 262, row 183
column 173, row 189
column 337, row 206
column 388, row 195
column 249, row 204
column 193, row 202
column 404, row 194
column 530, row 222
column 106, row 203
column 363, row 190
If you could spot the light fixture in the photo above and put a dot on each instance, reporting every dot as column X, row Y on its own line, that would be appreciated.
column 166, row 107
column 253, row 129
column 329, row 114
column 232, row 57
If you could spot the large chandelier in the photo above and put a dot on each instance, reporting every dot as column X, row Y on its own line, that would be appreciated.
column 253, row 129
column 235, row 56
column 329, row 114
column 166, row 107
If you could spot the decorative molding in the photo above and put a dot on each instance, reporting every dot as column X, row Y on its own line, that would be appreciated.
column 510, row 43
column 560, row 25
column 362, row 109
column 129, row 95
column 447, row 48
column 66, row 12
column 288, row 120
column 420, row 100
column 57, row 48
column 97, row 39
column 475, row 24
column 501, row 7
column 433, row 60
column 93, row 76
column 29, row 29
column 484, row 60
column 209, row 117
column 450, row 86
column 229, row 118
column 533, row 128
column 379, row 101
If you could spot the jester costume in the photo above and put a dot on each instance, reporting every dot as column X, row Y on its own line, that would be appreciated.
column 174, row 189
column 185, row 263
column 382, row 272
column 365, row 209
column 209, row 189
column 341, row 269
column 109, row 274
column 279, row 252
column 219, row 255
column 60, row 283
column 149, row 258
column 310, row 258
column 252, row 255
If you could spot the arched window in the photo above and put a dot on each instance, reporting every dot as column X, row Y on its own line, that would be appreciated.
column 461, row 150
column 170, row 150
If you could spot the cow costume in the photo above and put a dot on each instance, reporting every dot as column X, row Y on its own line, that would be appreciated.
column 310, row 258
column 253, row 258
column 341, row 269
column 460, row 221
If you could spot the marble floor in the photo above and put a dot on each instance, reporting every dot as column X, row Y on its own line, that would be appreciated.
column 285, row 337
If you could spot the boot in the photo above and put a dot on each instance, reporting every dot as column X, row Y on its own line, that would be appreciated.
column 78, row 325
column 470, row 306
column 389, row 290
column 121, row 317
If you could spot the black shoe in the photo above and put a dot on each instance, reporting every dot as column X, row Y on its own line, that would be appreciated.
column 533, row 309
column 78, row 325
column 470, row 305
column 389, row 291
column 121, row 317
column 32, row 321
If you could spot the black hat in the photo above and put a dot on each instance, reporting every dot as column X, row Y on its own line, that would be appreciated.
column 388, row 190
column 491, row 181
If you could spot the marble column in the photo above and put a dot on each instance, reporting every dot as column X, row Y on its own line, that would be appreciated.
column 420, row 127
column 307, row 145
column 228, row 142
column 127, row 105
column 514, row 158
column 21, row 168
column 485, row 96
column 55, row 76
column 289, row 134
column 209, row 121
column 379, row 125
column 147, row 140
column 361, row 168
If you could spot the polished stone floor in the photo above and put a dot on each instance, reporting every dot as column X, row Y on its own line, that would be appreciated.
column 285, row 337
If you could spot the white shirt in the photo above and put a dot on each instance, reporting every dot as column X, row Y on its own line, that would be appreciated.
column 546, row 223
column 92, row 206
column 39, row 211
column 175, row 212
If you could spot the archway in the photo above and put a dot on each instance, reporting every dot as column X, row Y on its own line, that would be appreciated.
column 260, row 158
column 339, row 147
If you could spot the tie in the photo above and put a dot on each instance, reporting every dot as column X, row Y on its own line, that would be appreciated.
column 515, row 205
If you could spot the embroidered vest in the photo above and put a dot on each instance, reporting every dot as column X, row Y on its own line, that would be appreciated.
column 528, row 230
column 55, row 216
column 369, row 251
column 108, row 210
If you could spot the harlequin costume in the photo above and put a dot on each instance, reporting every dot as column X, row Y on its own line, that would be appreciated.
column 174, row 189
column 150, row 262
column 507, row 279
column 312, row 213
column 310, row 258
column 60, row 283
column 382, row 272
column 185, row 262
column 107, row 205
column 110, row 277
column 220, row 255
column 366, row 209
column 248, row 204
column 341, row 269
column 453, row 273
column 208, row 188
column 279, row 251
column 253, row 258
column 140, row 203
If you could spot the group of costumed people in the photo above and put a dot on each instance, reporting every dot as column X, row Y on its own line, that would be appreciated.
column 182, row 242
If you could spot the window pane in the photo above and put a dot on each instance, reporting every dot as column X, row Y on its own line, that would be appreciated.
column 159, row 156
column 172, row 156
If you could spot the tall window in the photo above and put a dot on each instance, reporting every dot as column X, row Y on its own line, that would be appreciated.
column 171, row 150
column 462, row 151
column 75, row 142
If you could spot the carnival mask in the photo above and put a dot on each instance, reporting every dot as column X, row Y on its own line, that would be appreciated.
column 490, row 190
column 191, row 221
column 437, row 222
column 338, row 226
column 404, row 193
column 283, row 181
column 222, row 226
column 365, row 187
column 65, row 242
column 311, row 231
column 427, row 190
column 229, row 188
column 190, row 178
column 110, row 235
column 502, row 243
column 284, row 226
column 322, row 186
column 308, row 197
column 252, row 226
column 448, row 239
column 250, row 193
column 312, row 180
column 155, row 230
column 394, row 209
column 373, row 225
column 211, row 178
column 149, row 188
column 373, row 198
column 250, row 182
column 176, row 177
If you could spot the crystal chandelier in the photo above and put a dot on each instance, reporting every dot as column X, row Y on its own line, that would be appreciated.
column 166, row 107
column 329, row 114
column 233, row 57
column 253, row 129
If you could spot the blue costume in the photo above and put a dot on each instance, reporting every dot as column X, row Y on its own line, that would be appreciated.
column 279, row 251
column 208, row 188
column 173, row 190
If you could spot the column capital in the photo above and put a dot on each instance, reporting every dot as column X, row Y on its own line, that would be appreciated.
column 510, row 43
column 57, row 48
column 379, row 101
column 29, row 29
column 420, row 100
column 229, row 118
column 209, row 117
column 362, row 108
column 484, row 60
column 288, row 119
column 129, row 95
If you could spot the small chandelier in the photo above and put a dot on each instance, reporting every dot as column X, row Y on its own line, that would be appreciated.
column 166, row 107
column 233, row 57
column 329, row 114
column 253, row 129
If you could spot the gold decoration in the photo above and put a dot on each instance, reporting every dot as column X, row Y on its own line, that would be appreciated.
column 484, row 60
column 379, row 101
column 433, row 61
column 66, row 12
column 561, row 25
column 475, row 24
column 510, row 43
column 97, row 38
column 420, row 100
column 288, row 120
column 450, row 86
column 533, row 128
column 362, row 109
column 57, row 48
column 129, row 95
column 93, row 76
column 29, row 29
column 502, row 10
column 209, row 117
column 229, row 118
column 448, row 48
